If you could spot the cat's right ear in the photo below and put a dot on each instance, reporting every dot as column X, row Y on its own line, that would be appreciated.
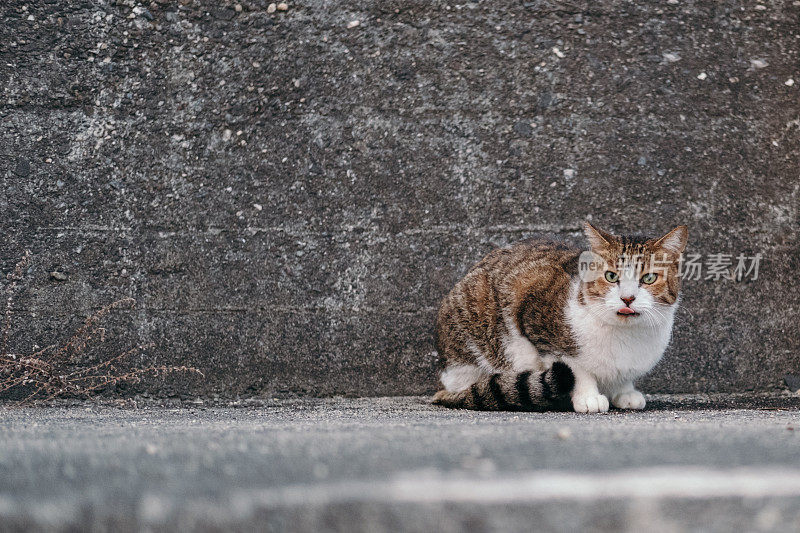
column 598, row 239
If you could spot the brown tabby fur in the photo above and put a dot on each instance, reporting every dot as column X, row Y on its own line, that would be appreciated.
column 528, row 282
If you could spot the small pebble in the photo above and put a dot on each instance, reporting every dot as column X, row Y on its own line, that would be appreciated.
column 258, row 207
column 238, row 8
column 564, row 434
column 283, row 7
column 789, row 82
column 58, row 276
column 758, row 63
column 702, row 76
column 353, row 23
column 523, row 128
column 672, row 58
column 271, row 8
column 559, row 54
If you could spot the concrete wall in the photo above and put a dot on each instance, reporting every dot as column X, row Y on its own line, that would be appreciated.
column 288, row 198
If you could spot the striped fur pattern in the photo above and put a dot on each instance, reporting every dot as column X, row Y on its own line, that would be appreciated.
column 525, row 330
column 509, row 391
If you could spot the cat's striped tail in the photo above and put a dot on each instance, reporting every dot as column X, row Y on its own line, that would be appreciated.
column 511, row 391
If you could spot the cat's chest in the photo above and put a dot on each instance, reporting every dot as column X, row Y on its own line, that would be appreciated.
column 619, row 354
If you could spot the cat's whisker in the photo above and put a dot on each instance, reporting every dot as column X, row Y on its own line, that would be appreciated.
column 656, row 311
column 652, row 318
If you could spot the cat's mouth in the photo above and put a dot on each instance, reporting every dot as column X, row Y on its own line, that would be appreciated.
column 627, row 311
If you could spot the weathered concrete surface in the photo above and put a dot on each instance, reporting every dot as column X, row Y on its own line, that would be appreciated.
column 288, row 198
column 402, row 465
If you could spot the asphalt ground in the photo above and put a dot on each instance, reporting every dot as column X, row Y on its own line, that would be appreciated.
column 387, row 464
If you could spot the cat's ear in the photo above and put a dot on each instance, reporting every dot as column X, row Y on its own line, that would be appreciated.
column 674, row 242
column 598, row 239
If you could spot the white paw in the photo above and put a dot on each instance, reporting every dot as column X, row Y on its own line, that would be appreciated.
column 629, row 400
column 589, row 403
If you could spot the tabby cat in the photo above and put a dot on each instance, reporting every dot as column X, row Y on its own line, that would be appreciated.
column 540, row 325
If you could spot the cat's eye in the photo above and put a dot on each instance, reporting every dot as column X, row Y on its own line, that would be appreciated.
column 611, row 277
column 649, row 278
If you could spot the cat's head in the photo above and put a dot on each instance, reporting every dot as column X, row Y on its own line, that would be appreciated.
column 636, row 280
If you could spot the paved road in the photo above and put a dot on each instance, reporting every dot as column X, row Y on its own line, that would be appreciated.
column 398, row 463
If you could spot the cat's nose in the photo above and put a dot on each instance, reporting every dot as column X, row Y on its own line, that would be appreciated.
column 627, row 299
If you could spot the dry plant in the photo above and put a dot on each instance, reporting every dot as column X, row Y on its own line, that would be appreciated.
column 57, row 372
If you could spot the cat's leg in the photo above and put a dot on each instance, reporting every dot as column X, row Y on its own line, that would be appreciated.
column 522, row 354
column 586, row 397
column 625, row 396
column 458, row 377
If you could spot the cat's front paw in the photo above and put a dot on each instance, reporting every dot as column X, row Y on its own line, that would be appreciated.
column 629, row 400
column 589, row 403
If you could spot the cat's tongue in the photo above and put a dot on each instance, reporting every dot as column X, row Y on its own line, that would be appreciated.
column 626, row 311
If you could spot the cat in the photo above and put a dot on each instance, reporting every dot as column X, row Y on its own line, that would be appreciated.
column 539, row 325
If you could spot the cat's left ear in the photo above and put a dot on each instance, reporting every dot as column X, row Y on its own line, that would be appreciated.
column 674, row 242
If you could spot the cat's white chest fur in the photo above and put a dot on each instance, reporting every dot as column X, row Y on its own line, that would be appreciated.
column 617, row 354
